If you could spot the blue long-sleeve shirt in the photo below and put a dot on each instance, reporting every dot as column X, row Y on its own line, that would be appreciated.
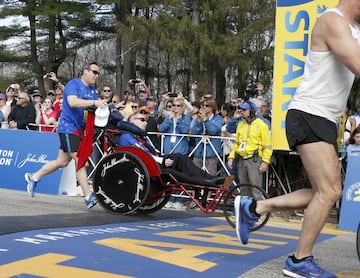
column 211, row 126
column 182, row 126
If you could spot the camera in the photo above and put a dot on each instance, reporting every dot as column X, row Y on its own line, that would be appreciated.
column 172, row 94
column 250, row 91
column 48, row 74
column 136, row 81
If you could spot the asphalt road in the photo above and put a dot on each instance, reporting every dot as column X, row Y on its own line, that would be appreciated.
column 18, row 212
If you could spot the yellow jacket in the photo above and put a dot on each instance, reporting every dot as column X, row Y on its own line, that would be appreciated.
column 250, row 138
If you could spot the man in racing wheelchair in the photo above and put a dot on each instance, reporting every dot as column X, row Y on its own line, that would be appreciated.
column 133, row 133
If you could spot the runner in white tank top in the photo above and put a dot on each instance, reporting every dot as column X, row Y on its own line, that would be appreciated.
column 331, row 63
column 320, row 98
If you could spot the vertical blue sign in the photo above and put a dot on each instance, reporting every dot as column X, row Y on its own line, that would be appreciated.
column 350, row 205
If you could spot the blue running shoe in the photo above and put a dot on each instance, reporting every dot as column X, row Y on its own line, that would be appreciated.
column 90, row 201
column 245, row 221
column 31, row 184
column 305, row 269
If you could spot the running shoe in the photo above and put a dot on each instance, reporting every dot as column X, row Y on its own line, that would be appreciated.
column 31, row 184
column 305, row 269
column 245, row 221
column 90, row 201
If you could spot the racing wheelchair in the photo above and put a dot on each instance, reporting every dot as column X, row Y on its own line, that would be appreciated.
column 128, row 180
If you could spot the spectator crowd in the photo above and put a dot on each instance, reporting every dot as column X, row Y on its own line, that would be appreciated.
column 236, row 132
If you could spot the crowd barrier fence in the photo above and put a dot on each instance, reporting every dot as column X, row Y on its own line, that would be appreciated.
column 283, row 176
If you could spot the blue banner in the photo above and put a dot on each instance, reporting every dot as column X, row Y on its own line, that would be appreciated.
column 350, row 205
column 24, row 151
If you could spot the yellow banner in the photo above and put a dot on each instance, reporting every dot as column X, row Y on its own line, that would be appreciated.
column 294, row 22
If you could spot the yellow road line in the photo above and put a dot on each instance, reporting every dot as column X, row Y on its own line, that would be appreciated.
column 278, row 223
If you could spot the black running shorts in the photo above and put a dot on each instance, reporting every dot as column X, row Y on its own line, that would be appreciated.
column 303, row 128
column 69, row 143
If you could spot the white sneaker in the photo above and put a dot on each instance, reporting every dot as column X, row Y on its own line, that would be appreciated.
column 177, row 205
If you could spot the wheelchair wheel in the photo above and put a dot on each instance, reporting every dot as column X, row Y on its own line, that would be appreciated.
column 244, row 189
column 121, row 182
column 154, row 207
column 157, row 197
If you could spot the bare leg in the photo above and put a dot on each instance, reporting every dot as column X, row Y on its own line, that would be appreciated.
column 298, row 199
column 321, row 163
column 61, row 161
column 81, row 177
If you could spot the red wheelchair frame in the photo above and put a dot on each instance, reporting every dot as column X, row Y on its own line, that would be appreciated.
column 128, row 180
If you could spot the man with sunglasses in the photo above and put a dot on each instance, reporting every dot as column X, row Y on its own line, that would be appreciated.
column 80, row 99
column 106, row 93
column 23, row 113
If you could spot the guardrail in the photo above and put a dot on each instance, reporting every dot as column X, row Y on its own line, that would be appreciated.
column 206, row 139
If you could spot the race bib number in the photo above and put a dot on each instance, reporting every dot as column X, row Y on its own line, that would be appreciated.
column 242, row 146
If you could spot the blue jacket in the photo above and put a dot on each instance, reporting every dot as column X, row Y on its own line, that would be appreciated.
column 182, row 127
column 134, row 136
column 210, row 127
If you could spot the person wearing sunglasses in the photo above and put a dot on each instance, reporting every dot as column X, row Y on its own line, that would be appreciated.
column 23, row 113
column 11, row 94
column 80, row 101
column 134, row 134
column 176, row 123
column 106, row 93
column 207, row 123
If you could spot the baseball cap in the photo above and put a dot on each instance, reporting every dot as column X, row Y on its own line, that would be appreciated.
column 247, row 105
column 51, row 92
column 144, row 108
column 2, row 96
column 101, row 116
column 12, row 86
column 37, row 94
column 129, row 91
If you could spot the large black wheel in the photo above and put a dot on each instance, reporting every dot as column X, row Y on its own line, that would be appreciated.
column 358, row 241
column 121, row 182
column 244, row 189
column 157, row 198
column 153, row 207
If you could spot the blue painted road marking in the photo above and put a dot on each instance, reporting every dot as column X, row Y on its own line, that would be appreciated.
column 191, row 247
